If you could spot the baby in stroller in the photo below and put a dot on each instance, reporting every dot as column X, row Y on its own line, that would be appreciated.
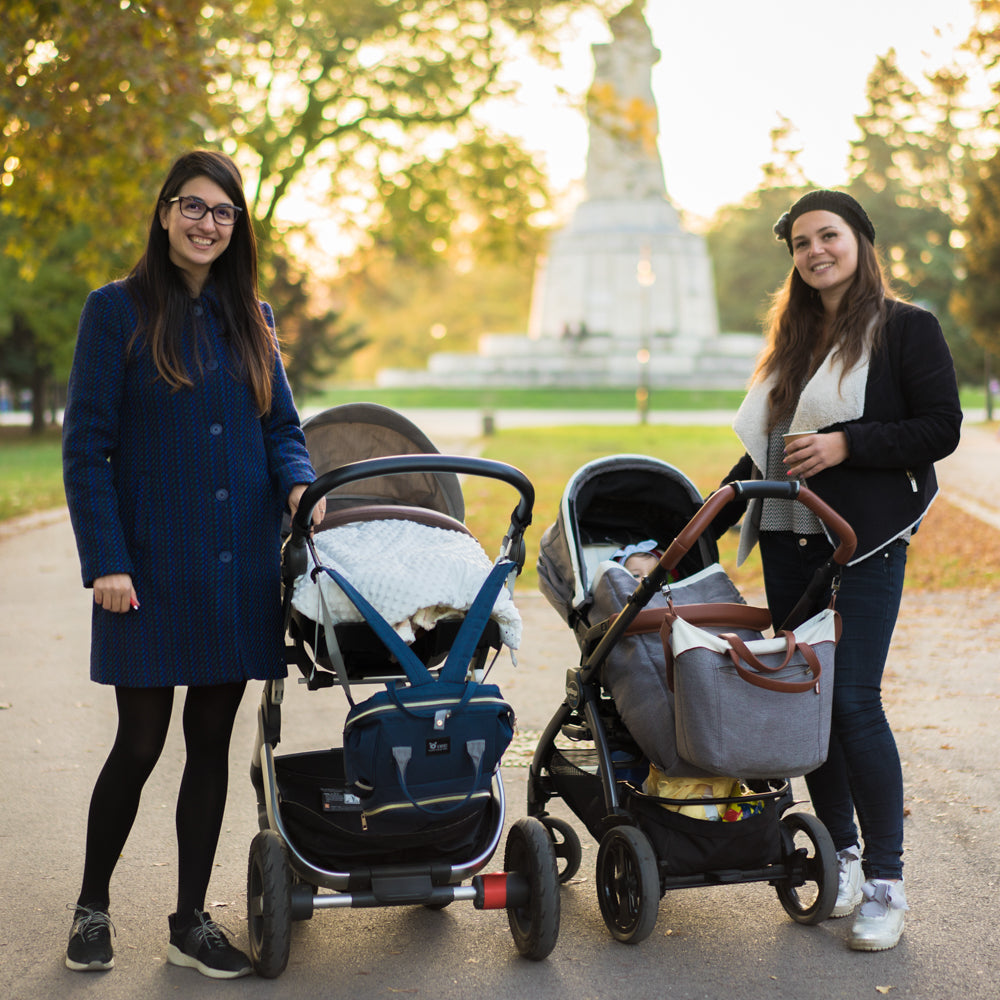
column 639, row 559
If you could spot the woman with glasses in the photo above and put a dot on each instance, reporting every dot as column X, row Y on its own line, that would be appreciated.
column 181, row 450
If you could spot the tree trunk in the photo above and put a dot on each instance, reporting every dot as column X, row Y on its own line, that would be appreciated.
column 39, row 384
column 988, row 372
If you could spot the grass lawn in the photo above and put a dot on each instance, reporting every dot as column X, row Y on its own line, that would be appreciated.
column 553, row 399
column 952, row 550
column 30, row 471
column 530, row 399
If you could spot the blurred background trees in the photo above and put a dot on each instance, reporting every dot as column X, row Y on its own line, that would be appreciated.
column 336, row 109
column 390, row 217
column 90, row 115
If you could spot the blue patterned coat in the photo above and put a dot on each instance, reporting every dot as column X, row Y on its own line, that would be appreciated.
column 184, row 490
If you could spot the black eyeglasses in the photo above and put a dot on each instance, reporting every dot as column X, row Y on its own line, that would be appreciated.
column 195, row 208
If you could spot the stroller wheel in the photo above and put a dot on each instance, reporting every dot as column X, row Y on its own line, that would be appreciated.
column 269, row 905
column 809, row 891
column 628, row 884
column 529, row 852
column 566, row 843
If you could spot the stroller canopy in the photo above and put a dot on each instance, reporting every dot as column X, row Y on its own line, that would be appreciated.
column 608, row 503
column 357, row 431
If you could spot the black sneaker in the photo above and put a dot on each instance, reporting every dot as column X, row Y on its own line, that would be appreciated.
column 89, row 948
column 201, row 945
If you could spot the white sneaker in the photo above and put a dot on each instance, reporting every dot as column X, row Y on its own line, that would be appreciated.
column 849, row 879
column 879, row 923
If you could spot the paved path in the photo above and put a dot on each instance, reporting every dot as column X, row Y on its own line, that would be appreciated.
column 971, row 477
column 943, row 694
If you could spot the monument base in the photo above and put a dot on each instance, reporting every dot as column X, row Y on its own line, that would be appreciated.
column 591, row 361
column 625, row 268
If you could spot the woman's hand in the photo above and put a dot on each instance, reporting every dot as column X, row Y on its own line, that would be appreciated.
column 115, row 593
column 805, row 456
column 319, row 511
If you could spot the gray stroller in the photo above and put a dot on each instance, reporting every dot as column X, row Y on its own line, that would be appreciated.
column 617, row 714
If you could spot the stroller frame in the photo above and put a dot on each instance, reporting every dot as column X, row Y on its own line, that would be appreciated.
column 285, row 878
column 631, row 875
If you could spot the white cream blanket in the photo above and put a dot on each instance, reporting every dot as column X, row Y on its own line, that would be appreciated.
column 414, row 575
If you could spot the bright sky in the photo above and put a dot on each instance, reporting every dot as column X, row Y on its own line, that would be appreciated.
column 728, row 69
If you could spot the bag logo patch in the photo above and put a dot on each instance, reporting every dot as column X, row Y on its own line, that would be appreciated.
column 436, row 745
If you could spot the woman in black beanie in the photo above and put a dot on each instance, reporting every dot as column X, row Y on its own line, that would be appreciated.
column 868, row 383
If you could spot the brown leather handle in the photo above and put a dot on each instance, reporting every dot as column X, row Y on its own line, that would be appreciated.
column 739, row 650
column 737, row 644
column 721, row 615
column 692, row 531
column 704, row 615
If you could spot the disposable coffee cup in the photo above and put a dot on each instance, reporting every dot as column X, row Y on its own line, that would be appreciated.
column 789, row 438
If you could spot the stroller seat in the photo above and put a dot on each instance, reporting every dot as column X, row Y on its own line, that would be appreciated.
column 423, row 598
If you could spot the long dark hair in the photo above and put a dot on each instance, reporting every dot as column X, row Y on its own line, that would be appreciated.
column 797, row 340
column 163, row 298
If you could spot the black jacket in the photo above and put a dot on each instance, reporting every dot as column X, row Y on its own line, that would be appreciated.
column 912, row 417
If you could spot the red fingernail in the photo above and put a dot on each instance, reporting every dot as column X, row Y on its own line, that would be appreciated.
column 133, row 603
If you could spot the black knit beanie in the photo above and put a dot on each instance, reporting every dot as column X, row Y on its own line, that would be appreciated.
column 825, row 201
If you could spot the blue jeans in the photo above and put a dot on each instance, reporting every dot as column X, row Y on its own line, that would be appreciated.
column 862, row 772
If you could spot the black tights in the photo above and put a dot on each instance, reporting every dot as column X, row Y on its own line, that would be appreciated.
column 143, row 719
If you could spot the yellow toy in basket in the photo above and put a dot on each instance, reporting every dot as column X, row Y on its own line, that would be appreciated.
column 664, row 787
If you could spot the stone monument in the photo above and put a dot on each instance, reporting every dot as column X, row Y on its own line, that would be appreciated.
column 624, row 267
column 625, row 294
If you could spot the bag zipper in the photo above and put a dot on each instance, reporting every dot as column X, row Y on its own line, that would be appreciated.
column 442, row 702
column 404, row 806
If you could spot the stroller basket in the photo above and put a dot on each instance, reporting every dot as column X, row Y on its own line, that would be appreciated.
column 683, row 845
column 323, row 817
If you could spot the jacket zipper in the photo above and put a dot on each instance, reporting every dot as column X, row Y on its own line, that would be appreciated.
column 912, row 479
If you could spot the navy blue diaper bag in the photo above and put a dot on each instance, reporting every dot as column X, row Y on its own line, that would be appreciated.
column 427, row 748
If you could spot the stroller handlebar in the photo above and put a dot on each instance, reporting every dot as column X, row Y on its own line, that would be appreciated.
column 401, row 464
column 695, row 528
column 796, row 490
column 771, row 489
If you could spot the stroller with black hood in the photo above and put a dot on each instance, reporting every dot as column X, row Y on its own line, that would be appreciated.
column 614, row 747
column 393, row 590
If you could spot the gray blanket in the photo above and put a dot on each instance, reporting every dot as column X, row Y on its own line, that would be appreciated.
column 635, row 672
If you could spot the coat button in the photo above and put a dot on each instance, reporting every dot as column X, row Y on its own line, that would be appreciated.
column 215, row 429
column 198, row 310
column 211, row 365
column 225, row 557
column 222, row 494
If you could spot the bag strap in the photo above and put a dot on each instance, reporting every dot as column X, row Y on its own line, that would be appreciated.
column 718, row 615
column 462, row 646
column 738, row 649
column 415, row 671
column 332, row 646
column 474, row 748
column 457, row 663
column 738, row 645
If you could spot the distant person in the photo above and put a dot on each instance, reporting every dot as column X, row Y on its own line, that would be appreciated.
column 873, row 378
column 181, row 448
